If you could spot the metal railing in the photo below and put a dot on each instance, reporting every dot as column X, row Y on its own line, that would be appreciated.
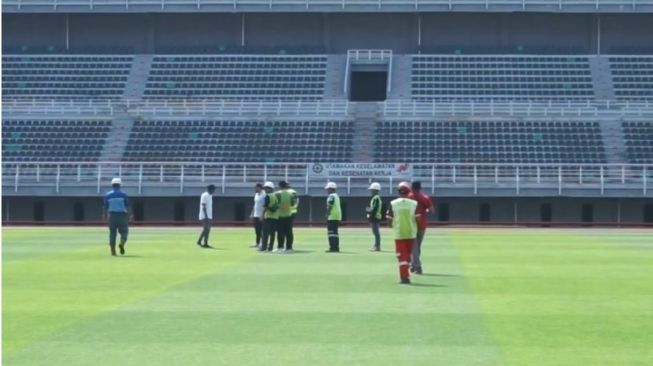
column 177, row 107
column 323, row 5
column 512, row 179
column 547, row 108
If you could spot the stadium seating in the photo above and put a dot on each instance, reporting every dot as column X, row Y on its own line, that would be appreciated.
column 632, row 76
column 639, row 142
column 501, row 77
column 489, row 141
column 238, row 76
column 65, row 76
column 53, row 140
column 240, row 141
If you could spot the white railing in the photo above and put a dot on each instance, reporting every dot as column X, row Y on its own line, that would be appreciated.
column 402, row 108
column 508, row 179
column 177, row 107
column 369, row 56
column 337, row 108
column 322, row 5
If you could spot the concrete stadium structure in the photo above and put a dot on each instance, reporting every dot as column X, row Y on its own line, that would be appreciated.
column 541, row 116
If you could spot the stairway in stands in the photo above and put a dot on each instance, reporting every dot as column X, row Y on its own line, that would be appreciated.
column 601, row 77
column 364, row 126
column 138, row 75
column 335, row 77
column 116, row 143
column 613, row 141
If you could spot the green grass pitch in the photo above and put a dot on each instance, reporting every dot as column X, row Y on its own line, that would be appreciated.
column 489, row 297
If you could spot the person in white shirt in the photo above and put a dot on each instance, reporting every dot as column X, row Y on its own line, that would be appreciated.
column 257, row 213
column 206, row 215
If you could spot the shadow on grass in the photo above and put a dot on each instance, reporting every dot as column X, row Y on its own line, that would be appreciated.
column 130, row 256
column 439, row 275
column 413, row 284
column 212, row 248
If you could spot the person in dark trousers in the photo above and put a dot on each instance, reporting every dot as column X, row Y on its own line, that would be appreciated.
column 287, row 199
column 116, row 206
column 257, row 213
column 334, row 215
column 206, row 215
column 270, row 216
column 424, row 208
column 375, row 214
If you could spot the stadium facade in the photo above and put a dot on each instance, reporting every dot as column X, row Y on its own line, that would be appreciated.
column 510, row 112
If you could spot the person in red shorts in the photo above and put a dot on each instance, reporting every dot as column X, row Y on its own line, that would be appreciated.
column 424, row 207
column 402, row 216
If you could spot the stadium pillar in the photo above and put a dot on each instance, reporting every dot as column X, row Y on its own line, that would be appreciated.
column 242, row 30
column 598, row 34
column 67, row 32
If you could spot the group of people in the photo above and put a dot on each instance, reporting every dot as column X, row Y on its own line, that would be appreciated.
column 274, row 214
column 407, row 215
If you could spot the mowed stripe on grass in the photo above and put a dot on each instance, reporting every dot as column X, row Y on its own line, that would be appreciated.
column 564, row 297
column 307, row 308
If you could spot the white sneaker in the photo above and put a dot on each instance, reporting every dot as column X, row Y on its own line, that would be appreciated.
column 277, row 250
column 289, row 251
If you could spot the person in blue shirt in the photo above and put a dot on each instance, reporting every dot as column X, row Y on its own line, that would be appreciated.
column 116, row 205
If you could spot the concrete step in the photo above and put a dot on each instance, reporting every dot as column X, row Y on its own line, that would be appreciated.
column 364, row 135
column 114, row 149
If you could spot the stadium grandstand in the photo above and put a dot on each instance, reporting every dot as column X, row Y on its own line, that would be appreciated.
column 540, row 110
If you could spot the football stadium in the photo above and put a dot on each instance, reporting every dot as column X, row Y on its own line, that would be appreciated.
column 327, row 182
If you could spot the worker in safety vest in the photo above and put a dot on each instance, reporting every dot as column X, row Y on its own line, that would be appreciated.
column 403, row 216
column 270, row 217
column 285, row 235
column 375, row 215
column 334, row 215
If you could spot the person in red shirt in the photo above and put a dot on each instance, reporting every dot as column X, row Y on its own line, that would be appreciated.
column 424, row 207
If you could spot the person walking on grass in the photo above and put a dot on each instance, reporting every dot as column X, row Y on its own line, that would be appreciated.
column 116, row 206
column 206, row 215
column 334, row 216
column 375, row 215
column 403, row 216
column 257, row 214
column 424, row 208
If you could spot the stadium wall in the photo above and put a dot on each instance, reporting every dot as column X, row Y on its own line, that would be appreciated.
column 234, row 210
column 335, row 32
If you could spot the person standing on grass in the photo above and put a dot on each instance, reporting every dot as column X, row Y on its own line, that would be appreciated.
column 206, row 215
column 375, row 215
column 257, row 213
column 424, row 207
column 116, row 206
column 334, row 216
column 287, row 199
column 270, row 216
column 403, row 216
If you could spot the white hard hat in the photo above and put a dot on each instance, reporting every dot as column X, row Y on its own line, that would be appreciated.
column 331, row 185
column 375, row 186
column 404, row 186
column 116, row 181
column 268, row 185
